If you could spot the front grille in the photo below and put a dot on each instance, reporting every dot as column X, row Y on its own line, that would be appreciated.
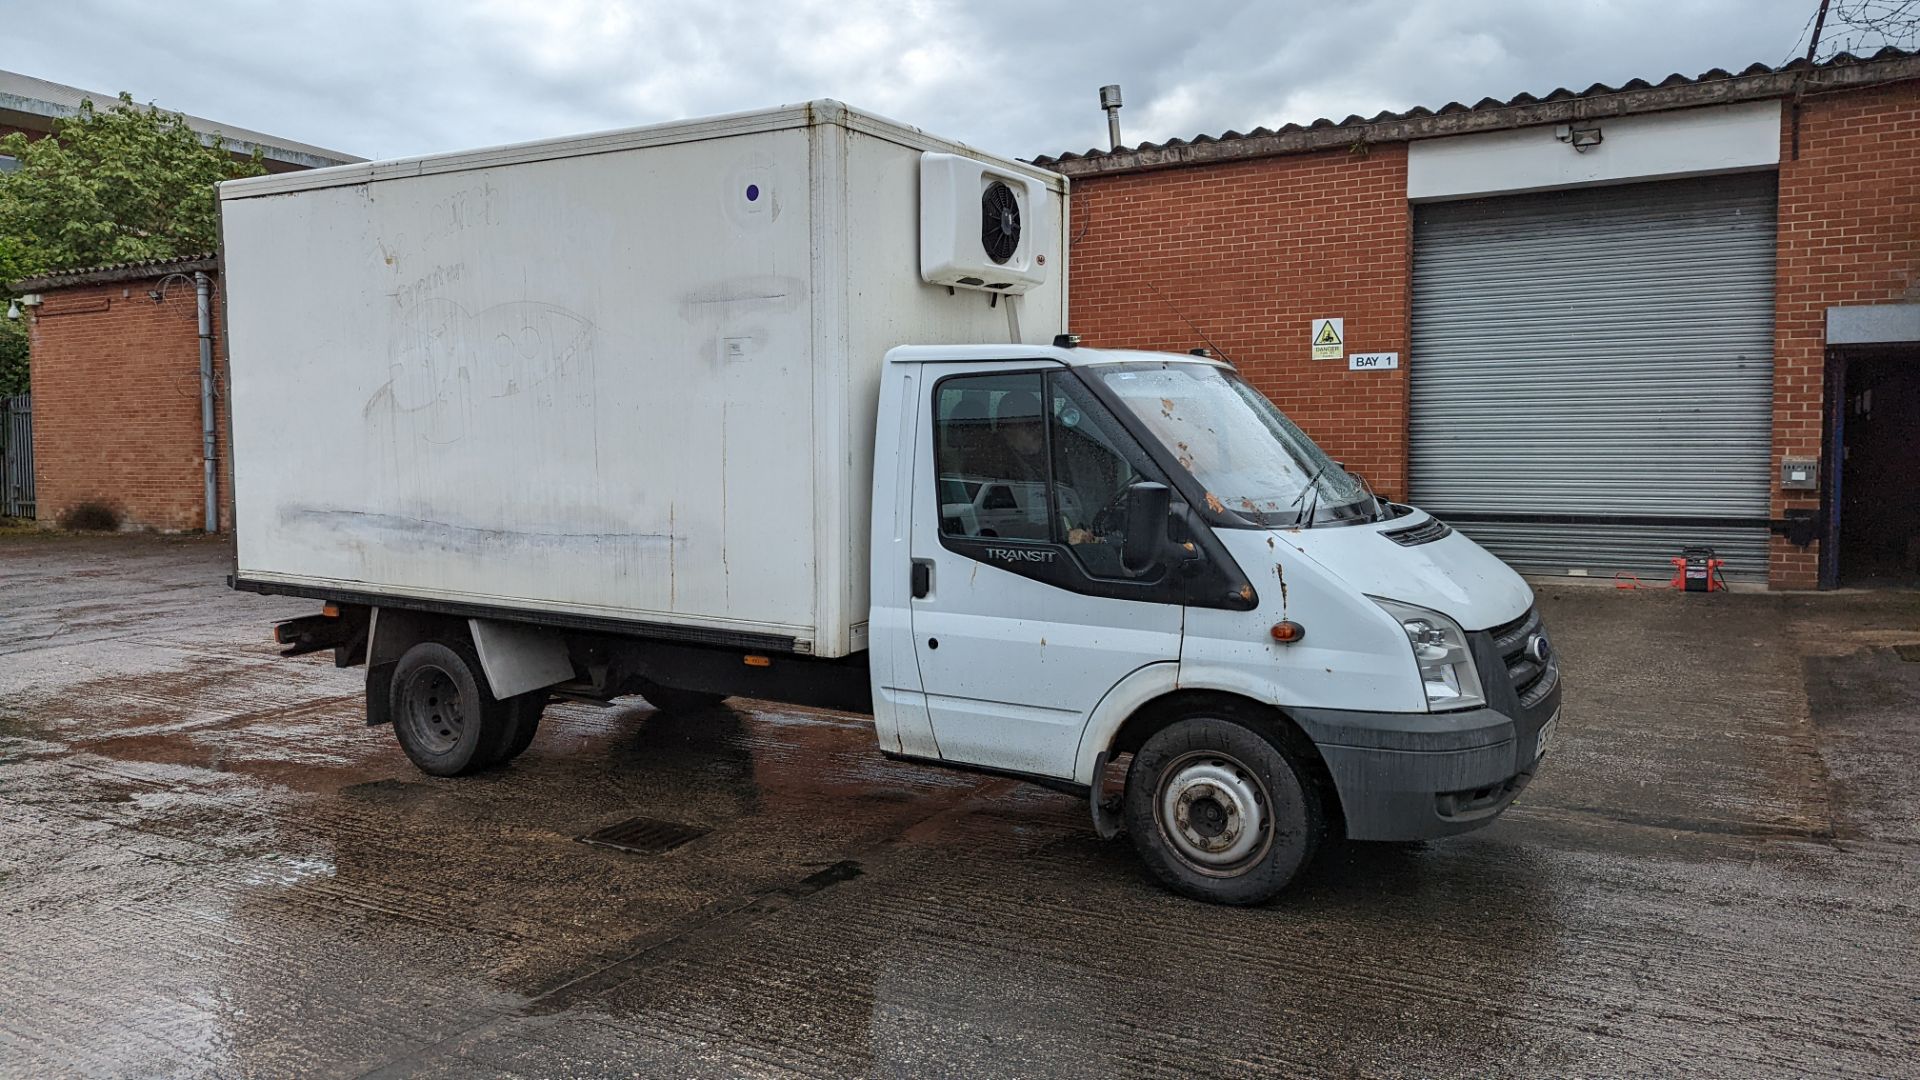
column 1532, row 680
column 1424, row 533
column 1510, row 635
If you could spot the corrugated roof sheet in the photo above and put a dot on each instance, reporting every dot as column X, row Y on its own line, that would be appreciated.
column 137, row 270
column 1360, row 127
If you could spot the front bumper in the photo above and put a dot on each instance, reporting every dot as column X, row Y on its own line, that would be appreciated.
column 1416, row 776
column 1401, row 781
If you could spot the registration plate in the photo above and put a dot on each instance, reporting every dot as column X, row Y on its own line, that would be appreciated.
column 1546, row 735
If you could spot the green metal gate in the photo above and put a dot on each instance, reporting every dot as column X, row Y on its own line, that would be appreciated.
column 16, row 456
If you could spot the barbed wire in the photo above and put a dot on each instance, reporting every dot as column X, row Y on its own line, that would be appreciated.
column 1860, row 27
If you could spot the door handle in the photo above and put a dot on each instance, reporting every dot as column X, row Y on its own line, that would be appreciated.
column 922, row 578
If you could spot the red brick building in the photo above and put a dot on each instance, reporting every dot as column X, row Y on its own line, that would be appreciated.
column 115, row 368
column 1625, row 319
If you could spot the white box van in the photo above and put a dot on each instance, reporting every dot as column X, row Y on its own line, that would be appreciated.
column 780, row 405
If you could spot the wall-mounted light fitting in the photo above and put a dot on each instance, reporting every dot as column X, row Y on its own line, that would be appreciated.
column 1578, row 137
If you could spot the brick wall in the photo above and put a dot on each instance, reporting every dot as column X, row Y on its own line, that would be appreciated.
column 1251, row 252
column 1849, row 234
column 116, row 404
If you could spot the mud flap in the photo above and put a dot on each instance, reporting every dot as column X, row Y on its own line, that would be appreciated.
column 1107, row 820
column 379, row 693
column 518, row 658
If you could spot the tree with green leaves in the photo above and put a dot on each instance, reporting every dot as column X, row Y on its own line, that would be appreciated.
column 13, row 359
column 126, row 184
column 129, row 183
column 13, row 334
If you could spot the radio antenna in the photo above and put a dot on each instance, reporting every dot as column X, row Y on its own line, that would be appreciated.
column 1222, row 353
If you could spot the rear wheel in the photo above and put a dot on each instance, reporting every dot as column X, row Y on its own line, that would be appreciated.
column 526, row 712
column 670, row 699
column 446, row 719
column 1219, row 812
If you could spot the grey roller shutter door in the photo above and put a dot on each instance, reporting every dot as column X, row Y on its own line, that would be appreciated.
column 1592, row 373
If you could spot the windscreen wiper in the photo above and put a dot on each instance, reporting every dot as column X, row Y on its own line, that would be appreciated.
column 1313, row 486
column 1372, row 498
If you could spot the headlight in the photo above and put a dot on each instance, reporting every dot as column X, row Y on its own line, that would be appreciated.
column 1440, row 648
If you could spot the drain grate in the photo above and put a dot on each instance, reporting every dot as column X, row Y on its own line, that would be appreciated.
column 1910, row 652
column 646, row 836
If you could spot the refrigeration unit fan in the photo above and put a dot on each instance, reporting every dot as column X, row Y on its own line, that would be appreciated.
column 999, row 222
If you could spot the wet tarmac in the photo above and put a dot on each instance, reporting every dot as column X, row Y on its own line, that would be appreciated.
column 210, row 867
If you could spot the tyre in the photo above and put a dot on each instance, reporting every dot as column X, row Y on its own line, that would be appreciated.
column 526, row 712
column 669, row 699
column 446, row 719
column 1220, row 812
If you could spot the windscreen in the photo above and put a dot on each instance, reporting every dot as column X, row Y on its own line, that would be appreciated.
column 1245, row 454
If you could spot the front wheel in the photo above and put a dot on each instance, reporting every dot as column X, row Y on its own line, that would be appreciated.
column 1220, row 812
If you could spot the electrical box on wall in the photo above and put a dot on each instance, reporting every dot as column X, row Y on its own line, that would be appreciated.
column 1799, row 474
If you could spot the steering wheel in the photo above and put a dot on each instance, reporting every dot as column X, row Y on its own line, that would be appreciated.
column 1108, row 520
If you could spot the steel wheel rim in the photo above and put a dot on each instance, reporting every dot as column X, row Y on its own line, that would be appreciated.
column 430, row 707
column 1214, row 813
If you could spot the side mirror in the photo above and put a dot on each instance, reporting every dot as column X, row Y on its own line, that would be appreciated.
column 1149, row 508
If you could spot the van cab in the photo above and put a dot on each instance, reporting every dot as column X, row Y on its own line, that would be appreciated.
column 1083, row 554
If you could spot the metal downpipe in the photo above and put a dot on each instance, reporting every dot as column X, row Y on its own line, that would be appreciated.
column 203, row 308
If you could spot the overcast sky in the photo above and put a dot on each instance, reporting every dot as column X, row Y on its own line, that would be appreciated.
column 388, row 78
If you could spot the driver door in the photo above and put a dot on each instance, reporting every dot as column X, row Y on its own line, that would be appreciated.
column 1023, row 621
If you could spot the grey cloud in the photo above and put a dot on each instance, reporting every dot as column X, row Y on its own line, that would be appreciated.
column 384, row 79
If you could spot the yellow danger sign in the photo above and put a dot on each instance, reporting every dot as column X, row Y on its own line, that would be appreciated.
column 1329, row 339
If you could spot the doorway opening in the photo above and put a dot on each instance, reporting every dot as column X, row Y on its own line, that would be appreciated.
column 1877, row 440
